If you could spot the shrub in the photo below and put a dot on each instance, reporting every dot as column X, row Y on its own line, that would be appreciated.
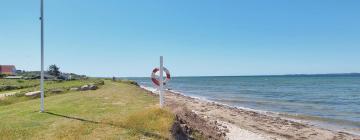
column 20, row 94
column 8, row 87
column 99, row 82
column 129, row 82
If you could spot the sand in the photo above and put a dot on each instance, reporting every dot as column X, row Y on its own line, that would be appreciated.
column 218, row 121
column 236, row 132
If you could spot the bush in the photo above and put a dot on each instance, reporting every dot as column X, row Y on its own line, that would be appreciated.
column 128, row 82
column 20, row 94
column 99, row 83
column 8, row 87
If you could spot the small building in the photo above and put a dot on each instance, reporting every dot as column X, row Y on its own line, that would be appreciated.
column 7, row 70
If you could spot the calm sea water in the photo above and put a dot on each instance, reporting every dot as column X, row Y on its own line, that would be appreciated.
column 332, row 99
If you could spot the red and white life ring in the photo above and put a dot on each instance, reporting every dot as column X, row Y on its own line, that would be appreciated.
column 156, row 79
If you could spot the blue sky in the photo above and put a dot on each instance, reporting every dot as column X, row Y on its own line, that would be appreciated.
column 196, row 37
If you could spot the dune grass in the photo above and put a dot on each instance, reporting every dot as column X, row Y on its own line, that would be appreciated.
column 115, row 111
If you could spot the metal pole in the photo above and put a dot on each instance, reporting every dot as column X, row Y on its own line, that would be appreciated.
column 42, row 55
column 161, row 83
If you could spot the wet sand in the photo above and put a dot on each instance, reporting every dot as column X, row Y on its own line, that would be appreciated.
column 218, row 121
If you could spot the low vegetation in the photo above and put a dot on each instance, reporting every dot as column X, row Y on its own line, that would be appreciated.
column 10, row 84
column 20, row 87
column 115, row 111
column 127, row 82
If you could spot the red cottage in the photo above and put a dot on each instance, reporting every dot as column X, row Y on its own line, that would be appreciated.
column 7, row 69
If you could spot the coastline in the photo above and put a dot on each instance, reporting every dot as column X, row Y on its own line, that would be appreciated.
column 236, row 122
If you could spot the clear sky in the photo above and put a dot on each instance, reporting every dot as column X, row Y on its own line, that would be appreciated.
column 196, row 37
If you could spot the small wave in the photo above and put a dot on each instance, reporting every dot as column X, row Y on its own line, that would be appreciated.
column 156, row 91
column 329, row 123
column 321, row 119
column 191, row 96
column 151, row 89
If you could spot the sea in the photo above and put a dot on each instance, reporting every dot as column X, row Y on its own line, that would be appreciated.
column 328, row 101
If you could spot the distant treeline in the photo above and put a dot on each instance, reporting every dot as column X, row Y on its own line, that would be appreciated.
column 36, row 75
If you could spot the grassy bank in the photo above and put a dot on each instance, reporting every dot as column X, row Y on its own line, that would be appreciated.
column 115, row 111
column 9, row 85
column 20, row 87
column 12, row 84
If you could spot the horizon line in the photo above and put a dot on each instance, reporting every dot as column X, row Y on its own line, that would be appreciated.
column 315, row 74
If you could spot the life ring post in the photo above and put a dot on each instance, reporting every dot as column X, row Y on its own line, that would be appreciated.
column 161, row 82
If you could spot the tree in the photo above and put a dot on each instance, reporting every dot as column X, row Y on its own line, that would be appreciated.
column 54, row 70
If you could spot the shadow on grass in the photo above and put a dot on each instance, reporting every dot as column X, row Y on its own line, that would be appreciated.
column 73, row 118
column 145, row 133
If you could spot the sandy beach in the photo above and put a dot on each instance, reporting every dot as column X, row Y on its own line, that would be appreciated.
column 217, row 121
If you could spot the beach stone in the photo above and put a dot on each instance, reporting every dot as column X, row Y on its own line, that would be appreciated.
column 232, row 122
column 2, row 96
column 84, row 87
column 9, row 94
column 74, row 89
column 34, row 93
column 183, row 125
column 93, row 87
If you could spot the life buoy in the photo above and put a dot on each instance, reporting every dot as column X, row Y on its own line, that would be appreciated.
column 155, row 79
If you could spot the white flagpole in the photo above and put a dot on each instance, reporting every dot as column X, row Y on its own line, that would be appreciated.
column 161, row 83
column 42, row 55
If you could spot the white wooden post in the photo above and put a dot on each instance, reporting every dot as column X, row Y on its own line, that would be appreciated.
column 161, row 83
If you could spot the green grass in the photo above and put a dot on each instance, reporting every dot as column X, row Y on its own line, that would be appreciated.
column 49, row 85
column 115, row 111
column 11, row 84
column 127, row 82
column 32, row 85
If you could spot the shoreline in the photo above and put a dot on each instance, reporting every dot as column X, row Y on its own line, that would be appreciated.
column 300, row 118
column 249, row 123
